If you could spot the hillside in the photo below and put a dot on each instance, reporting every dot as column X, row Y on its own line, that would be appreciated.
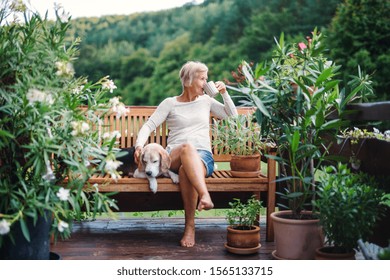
column 143, row 52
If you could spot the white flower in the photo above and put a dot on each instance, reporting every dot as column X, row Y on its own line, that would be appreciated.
column 49, row 175
column 108, row 84
column 112, row 134
column 78, row 89
column 64, row 68
column 118, row 107
column 4, row 227
column 79, row 128
column 112, row 165
column 84, row 127
column 63, row 194
column 64, row 17
column 62, row 226
column 114, row 101
column 34, row 95
column 120, row 110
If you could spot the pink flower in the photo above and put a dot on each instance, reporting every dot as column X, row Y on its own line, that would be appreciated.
column 302, row 46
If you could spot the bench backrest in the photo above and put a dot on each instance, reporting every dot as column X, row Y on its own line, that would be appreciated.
column 129, row 126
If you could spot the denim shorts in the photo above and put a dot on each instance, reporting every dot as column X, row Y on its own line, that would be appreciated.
column 208, row 161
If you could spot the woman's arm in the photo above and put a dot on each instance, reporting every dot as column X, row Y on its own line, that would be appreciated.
column 224, row 110
column 155, row 120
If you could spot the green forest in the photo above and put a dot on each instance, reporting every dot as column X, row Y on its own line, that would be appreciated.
column 144, row 52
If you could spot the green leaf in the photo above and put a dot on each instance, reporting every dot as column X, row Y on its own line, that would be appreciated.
column 333, row 124
column 295, row 141
column 25, row 231
column 351, row 96
column 259, row 104
column 319, row 119
column 324, row 76
column 4, row 134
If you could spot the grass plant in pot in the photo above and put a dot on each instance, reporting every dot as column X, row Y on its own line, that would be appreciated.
column 239, row 136
column 295, row 94
column 348, row 205
column 45, row 119
column 243, row 235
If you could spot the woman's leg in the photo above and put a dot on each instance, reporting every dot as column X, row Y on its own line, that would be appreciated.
column 190, row 198
column 185, row 161
column 187, row 157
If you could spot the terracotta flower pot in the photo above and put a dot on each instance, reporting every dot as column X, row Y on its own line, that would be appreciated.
column 327, row 253
column 245, row 166
column 296, row 239
column 243, row 242
column 243, row 238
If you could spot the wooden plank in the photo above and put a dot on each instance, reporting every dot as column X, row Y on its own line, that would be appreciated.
column 155, row 238
column 222, row 186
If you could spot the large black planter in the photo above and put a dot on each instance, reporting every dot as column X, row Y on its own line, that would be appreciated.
column 37, row 249
column 373, row 154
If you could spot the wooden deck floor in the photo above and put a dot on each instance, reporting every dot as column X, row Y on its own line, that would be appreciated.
column 151, row 239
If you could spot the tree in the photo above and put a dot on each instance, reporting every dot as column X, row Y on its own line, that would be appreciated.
column 139, row 64
column 360, row 35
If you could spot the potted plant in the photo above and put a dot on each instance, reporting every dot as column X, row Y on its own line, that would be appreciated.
column 348, row 205
column 240, row 137
column 243, row 235
column 295, row 94
column 46, row 115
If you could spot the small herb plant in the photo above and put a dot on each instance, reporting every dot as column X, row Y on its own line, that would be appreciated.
column 243, row 215
column 238, row 135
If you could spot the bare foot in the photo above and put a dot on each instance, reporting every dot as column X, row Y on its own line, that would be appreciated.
column 188, row 239
column 205, row 203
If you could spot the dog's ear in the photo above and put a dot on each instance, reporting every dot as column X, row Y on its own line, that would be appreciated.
column 165, row 160
column 141, row 166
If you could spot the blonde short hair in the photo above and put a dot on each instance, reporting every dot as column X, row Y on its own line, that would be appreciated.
column 190, row 70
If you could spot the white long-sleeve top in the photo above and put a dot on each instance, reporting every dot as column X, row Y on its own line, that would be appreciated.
column 188, row 122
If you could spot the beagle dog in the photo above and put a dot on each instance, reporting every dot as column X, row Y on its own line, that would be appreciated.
column 154, row 161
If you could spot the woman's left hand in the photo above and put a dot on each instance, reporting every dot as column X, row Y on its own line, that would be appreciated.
column 220, row 86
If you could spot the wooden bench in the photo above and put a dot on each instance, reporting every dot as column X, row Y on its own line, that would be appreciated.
column 134, row 194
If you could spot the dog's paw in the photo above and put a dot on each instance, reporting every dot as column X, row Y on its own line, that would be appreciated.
column 153, row 184
column 174, row 177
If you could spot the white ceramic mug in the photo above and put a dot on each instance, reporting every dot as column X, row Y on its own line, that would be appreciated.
column 210, row 89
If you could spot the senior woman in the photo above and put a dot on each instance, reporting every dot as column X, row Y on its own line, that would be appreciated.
column 189, row 144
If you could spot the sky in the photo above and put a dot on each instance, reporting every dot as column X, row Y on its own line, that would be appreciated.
column 97, row 8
